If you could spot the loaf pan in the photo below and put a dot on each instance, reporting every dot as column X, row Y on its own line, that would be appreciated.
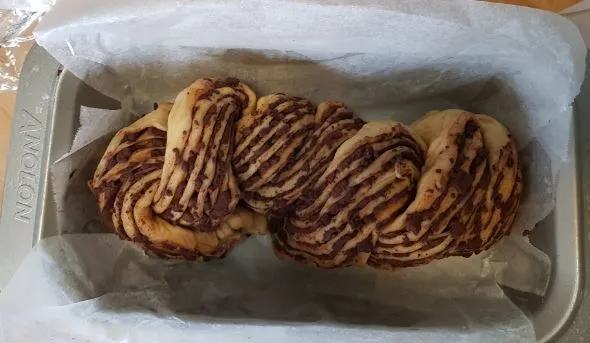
column 47, row 116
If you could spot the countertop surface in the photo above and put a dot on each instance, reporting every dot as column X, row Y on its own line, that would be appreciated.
column 7, row 108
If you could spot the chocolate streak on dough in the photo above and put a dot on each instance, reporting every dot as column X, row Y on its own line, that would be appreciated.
column 285, row 111
column 323, row 136
column 277, row 118
column 217, row 117
column 289, row 238
column 458, row 179
column 366, row 155
column 188, row 219
column 218, row 198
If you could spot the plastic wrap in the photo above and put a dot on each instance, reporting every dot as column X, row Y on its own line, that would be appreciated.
column 13, row 27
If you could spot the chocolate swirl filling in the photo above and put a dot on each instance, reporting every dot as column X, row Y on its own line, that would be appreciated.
column 285, row 146
column 453, row 210
column 370, row 180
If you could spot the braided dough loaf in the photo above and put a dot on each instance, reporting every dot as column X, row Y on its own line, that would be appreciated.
column 338, row 191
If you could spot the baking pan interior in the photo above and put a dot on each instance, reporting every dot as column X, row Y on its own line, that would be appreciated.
column 557, row 235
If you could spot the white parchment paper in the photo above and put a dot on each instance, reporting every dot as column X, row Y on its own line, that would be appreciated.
column 392, row 59
column 104, row 290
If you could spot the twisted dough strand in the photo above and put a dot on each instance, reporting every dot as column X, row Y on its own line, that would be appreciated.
column 285, row 145
column 198, row 187
column 467, row 196
column 143, row 185
column 368, row 182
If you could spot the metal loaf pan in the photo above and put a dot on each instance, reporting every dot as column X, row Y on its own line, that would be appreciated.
column 46, row 119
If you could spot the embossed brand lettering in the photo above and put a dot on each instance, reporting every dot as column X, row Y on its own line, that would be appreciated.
column 29, row 161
